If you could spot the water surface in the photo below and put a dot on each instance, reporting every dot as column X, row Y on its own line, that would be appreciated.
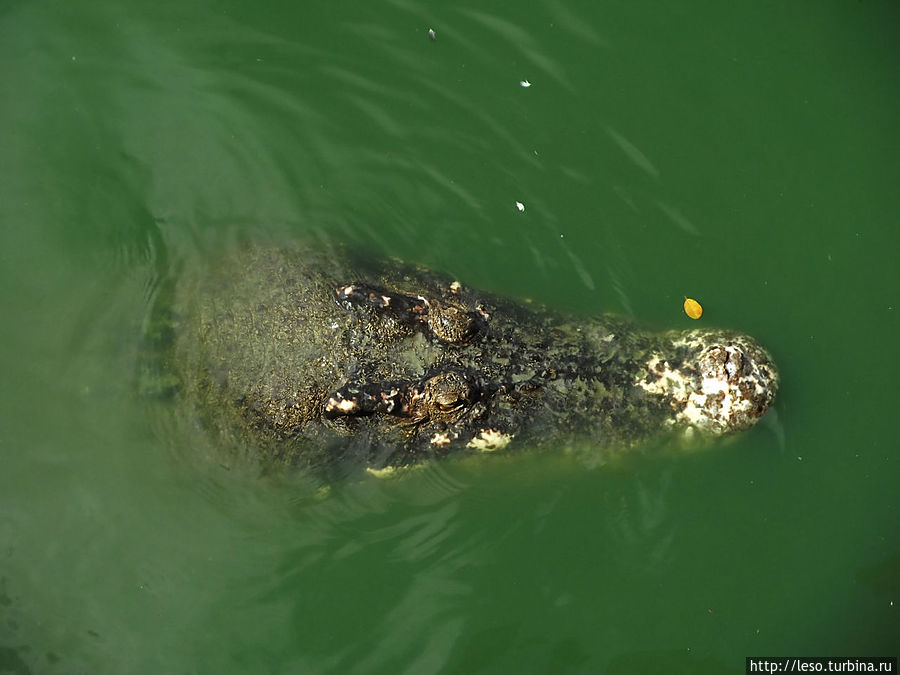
column 745, row 154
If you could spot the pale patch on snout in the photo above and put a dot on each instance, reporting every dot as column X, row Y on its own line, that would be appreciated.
column 727, row 388
column 489, row 440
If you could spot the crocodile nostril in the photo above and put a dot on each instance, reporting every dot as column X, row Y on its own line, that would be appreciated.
column 732, row 363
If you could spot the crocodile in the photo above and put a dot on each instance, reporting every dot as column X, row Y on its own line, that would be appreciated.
column 312, row 356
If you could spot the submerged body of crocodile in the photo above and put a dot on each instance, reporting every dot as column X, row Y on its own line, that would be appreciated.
column 306, row 356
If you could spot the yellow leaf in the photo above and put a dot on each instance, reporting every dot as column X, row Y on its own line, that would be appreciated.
column 692, row 308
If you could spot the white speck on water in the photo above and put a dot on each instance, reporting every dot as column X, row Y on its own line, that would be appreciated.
column 525, row 83
column 520, row 206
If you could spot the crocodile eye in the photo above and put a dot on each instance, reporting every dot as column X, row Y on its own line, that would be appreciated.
column 448, row 401
column 448, row 392
column 451, row 324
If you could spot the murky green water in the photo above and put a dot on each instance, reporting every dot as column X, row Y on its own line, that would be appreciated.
column 745, row 154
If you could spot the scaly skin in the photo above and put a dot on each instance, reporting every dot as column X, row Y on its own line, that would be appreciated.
column 307, row 357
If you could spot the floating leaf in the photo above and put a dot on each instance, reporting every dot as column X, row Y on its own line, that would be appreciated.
column 692, row 308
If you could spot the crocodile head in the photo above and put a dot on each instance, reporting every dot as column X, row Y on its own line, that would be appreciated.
column 308, row 358
column 486, row 371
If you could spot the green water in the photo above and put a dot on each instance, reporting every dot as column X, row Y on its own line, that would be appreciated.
column 743, row 153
